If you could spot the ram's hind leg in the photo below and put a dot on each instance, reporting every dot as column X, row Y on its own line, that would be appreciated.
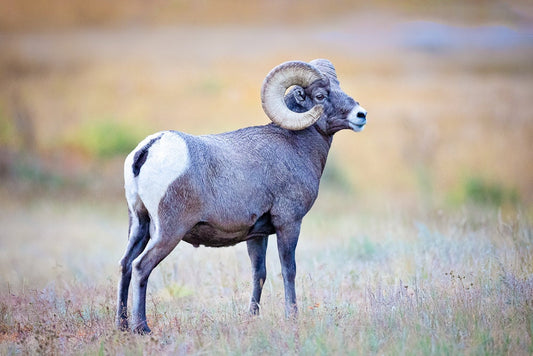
column 257, row 251
column 138, row 238
column 159, row 246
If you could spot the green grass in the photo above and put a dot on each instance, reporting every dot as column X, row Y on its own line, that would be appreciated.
column 106, row 138
column 401, row 283
column 481, row 191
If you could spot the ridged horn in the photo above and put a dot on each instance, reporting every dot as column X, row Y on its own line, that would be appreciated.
column 273, row 91
column 327, row 68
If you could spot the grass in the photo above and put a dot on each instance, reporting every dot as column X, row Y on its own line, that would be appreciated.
column 408, row 283
column 481, row 191
column 105, row 139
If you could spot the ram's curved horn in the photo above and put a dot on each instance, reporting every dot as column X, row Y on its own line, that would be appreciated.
column 273, row 91
column 327, row 68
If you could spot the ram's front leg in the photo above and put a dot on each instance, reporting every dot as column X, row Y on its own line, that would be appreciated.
column 287, row 241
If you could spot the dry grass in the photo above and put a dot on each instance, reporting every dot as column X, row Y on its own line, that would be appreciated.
column 399, row 283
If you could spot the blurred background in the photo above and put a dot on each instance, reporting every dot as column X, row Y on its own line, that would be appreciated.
column 448, row 86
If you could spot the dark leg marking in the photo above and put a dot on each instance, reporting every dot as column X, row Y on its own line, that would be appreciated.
column 136, row 244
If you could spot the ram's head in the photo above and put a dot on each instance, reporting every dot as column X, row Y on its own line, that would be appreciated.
column 296, row 95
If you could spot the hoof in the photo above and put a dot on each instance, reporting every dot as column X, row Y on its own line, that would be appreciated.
column 254, row 310
column 291, row 314
column 122, row 325
column 142, row 329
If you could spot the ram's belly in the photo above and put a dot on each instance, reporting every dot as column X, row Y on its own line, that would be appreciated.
column 208, row 235
column 205, row 234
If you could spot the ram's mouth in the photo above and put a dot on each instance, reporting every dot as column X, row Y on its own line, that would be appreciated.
column 357, row 127
column 357, row 119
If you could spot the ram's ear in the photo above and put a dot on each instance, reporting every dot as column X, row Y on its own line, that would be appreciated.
column 299, row 95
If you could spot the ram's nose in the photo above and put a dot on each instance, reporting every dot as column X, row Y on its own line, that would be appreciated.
column 361, row 113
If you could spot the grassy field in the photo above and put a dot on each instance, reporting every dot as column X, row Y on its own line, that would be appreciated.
column 421, row 240
column 432, row 282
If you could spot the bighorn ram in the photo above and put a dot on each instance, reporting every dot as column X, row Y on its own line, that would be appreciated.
column 219, row 190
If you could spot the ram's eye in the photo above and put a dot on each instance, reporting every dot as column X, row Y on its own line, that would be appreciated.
column 319, row 97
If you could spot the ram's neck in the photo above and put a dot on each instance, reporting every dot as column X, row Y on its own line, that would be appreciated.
column 317, row 146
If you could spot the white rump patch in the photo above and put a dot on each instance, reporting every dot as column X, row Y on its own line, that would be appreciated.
column 130, row 181
column 168, row 158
